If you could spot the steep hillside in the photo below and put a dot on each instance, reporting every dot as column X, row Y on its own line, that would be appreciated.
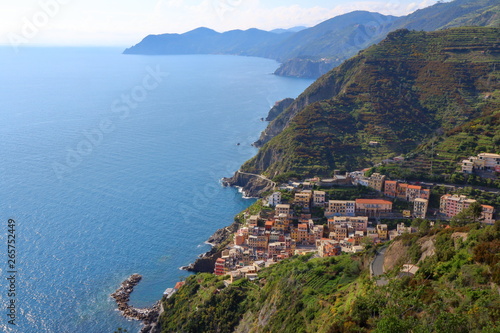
column 441, row 156
column 454, row 290
column 451, row 14
column 411, row 87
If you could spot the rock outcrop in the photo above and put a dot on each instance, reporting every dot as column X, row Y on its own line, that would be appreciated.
column 278, row 108
column 252, row 185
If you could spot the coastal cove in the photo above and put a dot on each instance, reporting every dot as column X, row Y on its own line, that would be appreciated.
column 145, row 197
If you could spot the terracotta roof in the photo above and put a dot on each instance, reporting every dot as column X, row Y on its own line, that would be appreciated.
column 415, row 187
column 179, row 284
column 302, row 225
column 487, row 206
column 372, row 201
column 391, row 181
column 269, row 223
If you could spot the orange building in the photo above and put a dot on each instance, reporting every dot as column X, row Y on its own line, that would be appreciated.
column 390, row 188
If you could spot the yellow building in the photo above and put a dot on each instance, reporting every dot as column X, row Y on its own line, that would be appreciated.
column 340, row 208
column 283, row 209
column 376, row 181
column 487, row 214
column 303, row 199
column 382, row 231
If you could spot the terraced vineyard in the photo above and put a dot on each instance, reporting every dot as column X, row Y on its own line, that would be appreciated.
column 435, row 94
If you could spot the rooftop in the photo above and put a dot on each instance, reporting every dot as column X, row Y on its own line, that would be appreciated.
column 490, row 155
column 372, row 201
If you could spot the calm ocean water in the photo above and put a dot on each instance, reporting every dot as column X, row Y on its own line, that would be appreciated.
column 109, row 169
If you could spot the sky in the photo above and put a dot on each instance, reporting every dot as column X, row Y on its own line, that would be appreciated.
column 126, row 22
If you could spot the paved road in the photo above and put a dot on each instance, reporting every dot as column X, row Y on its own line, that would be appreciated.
column 256, row 175
column 378, row 267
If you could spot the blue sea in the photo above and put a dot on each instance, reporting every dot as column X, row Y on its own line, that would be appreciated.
column 111, row 165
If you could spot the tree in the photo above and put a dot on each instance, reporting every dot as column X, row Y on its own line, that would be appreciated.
column 424, row 226
column 470, row 215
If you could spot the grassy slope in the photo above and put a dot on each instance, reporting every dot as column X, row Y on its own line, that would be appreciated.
column 410, row 88
column 455, row 290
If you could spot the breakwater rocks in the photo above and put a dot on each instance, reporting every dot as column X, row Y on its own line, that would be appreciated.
column 148, row 316
column 206, row 262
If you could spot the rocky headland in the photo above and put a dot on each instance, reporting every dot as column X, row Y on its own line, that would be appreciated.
column 278, row 108
column 305, row 68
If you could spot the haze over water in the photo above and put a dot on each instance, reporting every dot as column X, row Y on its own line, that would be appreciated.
column 144, row 197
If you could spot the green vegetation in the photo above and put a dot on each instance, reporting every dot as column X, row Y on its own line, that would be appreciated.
column 485, row 198
column 454, row 290
column 296, row 295
column 412, row 91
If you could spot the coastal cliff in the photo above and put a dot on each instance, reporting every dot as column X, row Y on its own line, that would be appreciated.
column 278, row 108
column 305, row 68
column 324, row 88
column 252, row 185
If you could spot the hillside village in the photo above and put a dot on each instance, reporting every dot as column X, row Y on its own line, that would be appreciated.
column 299, row 218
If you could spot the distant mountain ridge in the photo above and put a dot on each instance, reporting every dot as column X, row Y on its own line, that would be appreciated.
column 310, row 43
column 313, row 51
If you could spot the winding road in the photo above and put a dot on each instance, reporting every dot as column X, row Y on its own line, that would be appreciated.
column 377, row 267
column 256, row 175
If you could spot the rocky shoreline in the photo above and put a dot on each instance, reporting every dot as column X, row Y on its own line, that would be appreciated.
column 148, row 316
column 206, row 261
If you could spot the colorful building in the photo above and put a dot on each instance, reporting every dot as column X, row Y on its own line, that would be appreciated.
column 340, row 208
column 420, row 207
column 373, row 207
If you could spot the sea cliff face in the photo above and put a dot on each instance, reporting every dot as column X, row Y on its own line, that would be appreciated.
column 324, row 88
column 278, row 108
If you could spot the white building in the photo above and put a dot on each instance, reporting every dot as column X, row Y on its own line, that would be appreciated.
column 420, row 208
column 274, row 199
column 483, row 161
